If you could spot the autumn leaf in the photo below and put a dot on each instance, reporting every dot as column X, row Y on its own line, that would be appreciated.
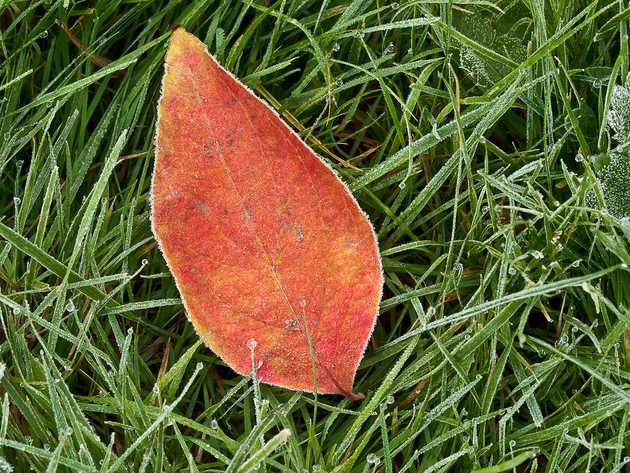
column 271, row 254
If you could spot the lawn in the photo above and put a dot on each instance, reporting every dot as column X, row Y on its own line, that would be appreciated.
column 488, row 141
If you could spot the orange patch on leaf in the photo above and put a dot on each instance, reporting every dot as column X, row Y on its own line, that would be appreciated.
column 262, row 238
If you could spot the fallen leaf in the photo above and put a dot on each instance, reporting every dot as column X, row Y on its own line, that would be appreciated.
column 276, row 264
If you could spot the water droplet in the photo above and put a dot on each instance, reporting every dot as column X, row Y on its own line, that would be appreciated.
column 373, row 459
column 251, row 344
column 512, row 443
column 390, row 48
column 17, row 201
column 338, row 82
column 430, row 312
column 214, row 425
column 626, row 459
column 597, row 83
column 395, row 6
column 390, row 400
column 335, row 47
column 17, row 310
column 144, row 262
column 512, row 270
column 43, row 34
column 402, row 184
column 70, row 306
column 485, row 209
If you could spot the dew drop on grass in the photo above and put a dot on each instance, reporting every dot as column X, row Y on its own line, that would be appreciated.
column 70, row 306
column 214, row 425
column 2, row 369
column 336, row 47
column 395, row 6
column 430, row 312
column 512, row 271
column 390, row 400
column 402, row 184
column 373, row 459
column 44, row 34
column 17, row 310
column 251, row 344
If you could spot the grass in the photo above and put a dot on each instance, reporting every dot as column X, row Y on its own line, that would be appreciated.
column 486, row 139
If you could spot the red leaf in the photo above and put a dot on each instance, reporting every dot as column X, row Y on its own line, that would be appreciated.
column 264, row 241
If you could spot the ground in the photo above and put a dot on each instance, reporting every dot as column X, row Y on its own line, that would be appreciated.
column 486, row 140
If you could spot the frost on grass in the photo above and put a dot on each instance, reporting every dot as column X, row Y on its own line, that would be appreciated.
column 619, row 113
column 498, row 36
column 614, row 177
column 5, row 466
column 614, row 180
